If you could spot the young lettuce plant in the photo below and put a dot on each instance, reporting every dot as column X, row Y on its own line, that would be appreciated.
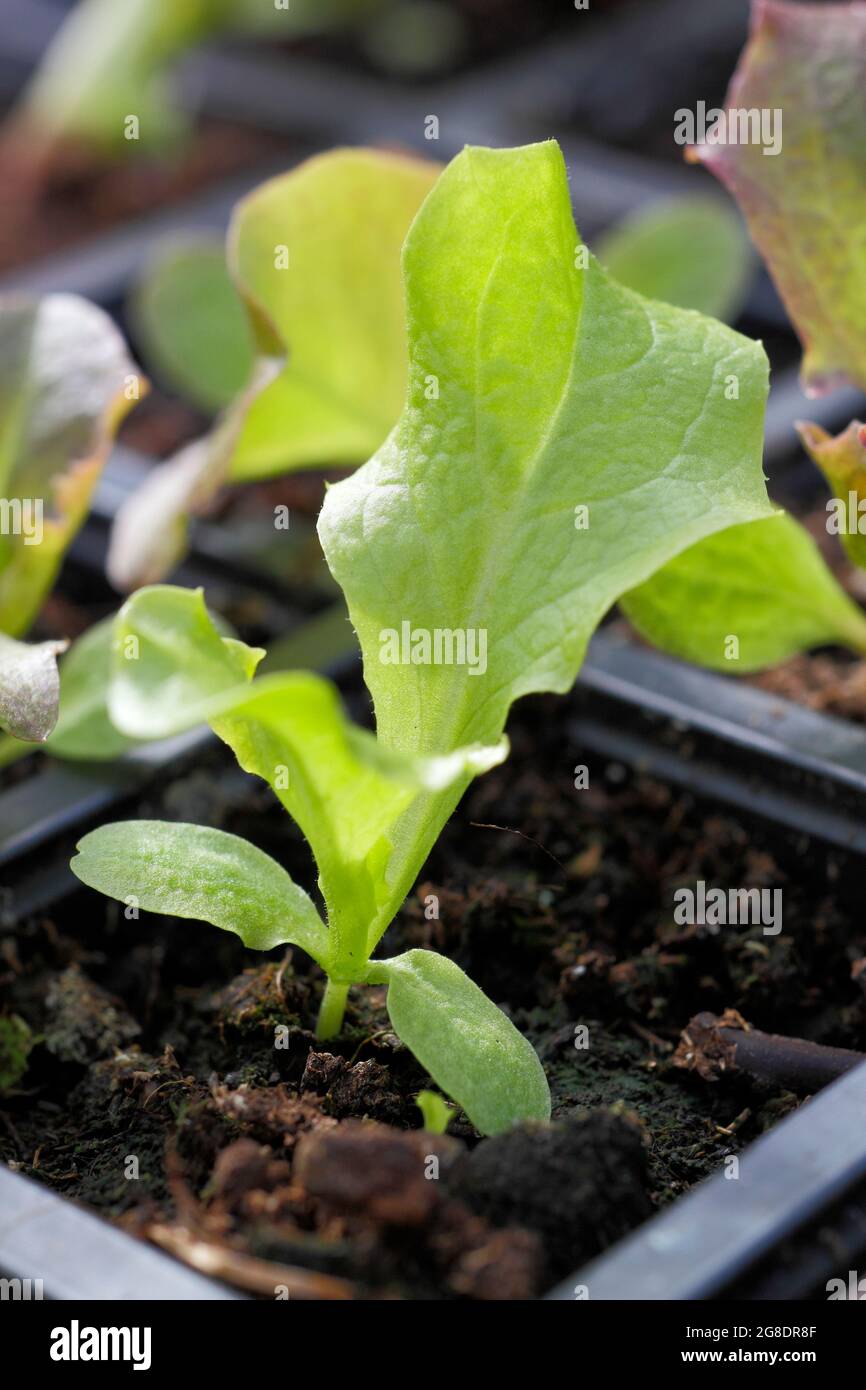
column 298, row 333
column 542, row 396
column 66, row 383
column 337, row 223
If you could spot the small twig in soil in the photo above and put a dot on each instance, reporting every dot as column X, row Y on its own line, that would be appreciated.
column 713, row 1045
column 736, row 1123
column 247, row 1271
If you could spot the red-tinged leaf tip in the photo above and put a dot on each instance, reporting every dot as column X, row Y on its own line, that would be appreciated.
column 801, row 72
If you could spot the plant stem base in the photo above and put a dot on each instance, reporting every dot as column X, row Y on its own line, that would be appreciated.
column 331, row 1010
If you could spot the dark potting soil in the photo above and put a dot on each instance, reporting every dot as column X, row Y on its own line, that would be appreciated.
column 175, row 1084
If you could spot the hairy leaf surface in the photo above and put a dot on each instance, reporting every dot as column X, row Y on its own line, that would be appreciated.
column 466, row 1043
column 556, row 388
column 191, row 871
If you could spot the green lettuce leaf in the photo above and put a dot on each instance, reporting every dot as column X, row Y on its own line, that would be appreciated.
column 191, row 871
column 84, row 729
column 173, row 669
column 557, row 389
column 190, row 323
column 315, row 259
column 466, row 1043
column 763, row 584
column 806, row 203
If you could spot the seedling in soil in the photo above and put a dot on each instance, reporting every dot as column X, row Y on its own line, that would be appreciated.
column 538, row 389
column 298, row 333
column 67, row 383
column 436, row 1111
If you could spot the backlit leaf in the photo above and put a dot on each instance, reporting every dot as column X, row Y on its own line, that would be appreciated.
column 465, row 1042
column 557, row 390
column 842, row 460
column 192, row 871
column 803, row 71
column 746, row 599
column 315, row 259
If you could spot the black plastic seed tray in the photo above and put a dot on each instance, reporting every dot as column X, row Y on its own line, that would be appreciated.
column 607, row 91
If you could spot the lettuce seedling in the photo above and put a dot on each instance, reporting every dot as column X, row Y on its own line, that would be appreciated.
column 66, row 382
column 301, row 336
column 334, row 297
column 561, row 439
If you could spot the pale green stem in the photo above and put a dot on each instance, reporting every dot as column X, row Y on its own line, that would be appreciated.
column 331, row 1010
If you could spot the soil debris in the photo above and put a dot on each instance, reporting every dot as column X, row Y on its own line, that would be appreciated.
column 578, row 1184
column 390, row 1175
column 353, row 1089
column 84, row 1023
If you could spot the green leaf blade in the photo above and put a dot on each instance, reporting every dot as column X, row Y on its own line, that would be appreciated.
column 558, row 388
column 315, row 255
column 468, row 1045
column 191, row 871
column 764, row 584
column 191, row 325
column 842, row 460
column 314, row 261
column 84, row 729
column 171, row 668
